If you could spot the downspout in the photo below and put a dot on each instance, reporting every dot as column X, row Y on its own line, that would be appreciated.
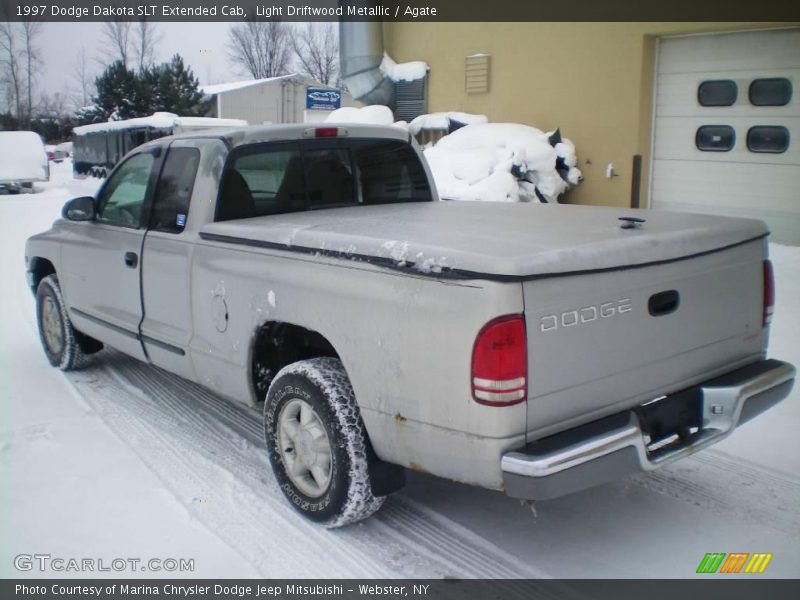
column 360, row 57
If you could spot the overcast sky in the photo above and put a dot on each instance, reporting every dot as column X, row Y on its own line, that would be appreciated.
column 202, row 46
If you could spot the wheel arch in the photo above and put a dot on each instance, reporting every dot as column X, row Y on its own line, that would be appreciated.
column 39, row 268
column 277, row 344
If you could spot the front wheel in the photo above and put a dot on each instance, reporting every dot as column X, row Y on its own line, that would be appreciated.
column 317, row 443
column 61, row 342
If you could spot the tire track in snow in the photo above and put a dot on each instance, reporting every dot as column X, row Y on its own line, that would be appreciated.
column 197, row 443
column 243, row 513
column 731, row 486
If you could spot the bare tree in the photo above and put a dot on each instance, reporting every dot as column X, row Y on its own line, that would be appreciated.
column 261, row 48
column 84, row 79
column 12, row 75
column 147, row 37
column 316, row 46
column 30, row 31
column 117, row 34
column 52, row 106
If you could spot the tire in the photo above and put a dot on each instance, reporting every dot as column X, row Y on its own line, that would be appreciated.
column 60, row 341
column 317, row 443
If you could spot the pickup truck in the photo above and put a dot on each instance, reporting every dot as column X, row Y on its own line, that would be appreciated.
column 312, row 270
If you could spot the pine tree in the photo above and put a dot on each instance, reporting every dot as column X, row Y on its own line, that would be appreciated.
column 177, row 89
column 119, row 93
column 124, row 94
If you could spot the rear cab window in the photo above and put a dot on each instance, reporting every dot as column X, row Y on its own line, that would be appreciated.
column 284, row 177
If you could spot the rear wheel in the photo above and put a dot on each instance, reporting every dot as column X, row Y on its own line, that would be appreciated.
column 64, row 347
column 317, row 443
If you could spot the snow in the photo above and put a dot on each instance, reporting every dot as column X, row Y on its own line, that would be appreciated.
column 476, row 162
column 374, row 114
column 124, row 460
column 22, row 157
column 441, row 121
column 220, row 88
column 408, row 71
column 160, row 120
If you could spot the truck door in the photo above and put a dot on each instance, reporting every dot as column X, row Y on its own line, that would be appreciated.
column 101, row 261
column 167, row 325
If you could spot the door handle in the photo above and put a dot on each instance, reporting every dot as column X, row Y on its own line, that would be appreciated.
column 131, row 259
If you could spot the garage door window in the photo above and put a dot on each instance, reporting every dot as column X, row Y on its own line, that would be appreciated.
column 772, row 139
column 721, row 92
column 715, row 138
column 775, row 91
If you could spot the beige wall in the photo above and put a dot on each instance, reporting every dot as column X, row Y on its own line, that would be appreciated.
column 594, row 80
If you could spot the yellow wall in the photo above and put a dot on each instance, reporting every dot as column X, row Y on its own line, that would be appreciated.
column 594, row 80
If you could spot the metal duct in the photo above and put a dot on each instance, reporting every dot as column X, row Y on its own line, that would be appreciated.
column 360, row 56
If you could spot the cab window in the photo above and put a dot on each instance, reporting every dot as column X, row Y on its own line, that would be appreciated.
column 122, row 198
column 174, row 190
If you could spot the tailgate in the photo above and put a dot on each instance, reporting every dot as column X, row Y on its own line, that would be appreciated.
column 602, row 342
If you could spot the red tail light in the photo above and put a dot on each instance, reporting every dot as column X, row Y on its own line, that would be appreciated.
column 769, row 293
column 500, row 362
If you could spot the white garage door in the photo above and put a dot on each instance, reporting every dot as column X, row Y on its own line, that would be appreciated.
column 727, row 127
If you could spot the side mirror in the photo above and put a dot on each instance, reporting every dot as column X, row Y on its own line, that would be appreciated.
column 79, row 209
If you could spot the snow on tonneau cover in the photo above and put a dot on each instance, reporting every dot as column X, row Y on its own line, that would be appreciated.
column 594, row 346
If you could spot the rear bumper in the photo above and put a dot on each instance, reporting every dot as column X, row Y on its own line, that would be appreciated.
column 615, row 446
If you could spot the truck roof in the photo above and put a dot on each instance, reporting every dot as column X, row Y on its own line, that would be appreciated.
column 237, row 136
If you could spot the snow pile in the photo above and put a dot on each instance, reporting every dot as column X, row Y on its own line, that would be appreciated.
column 374, row 114
column 444, row 121
column 504, row 162
column 22, row 157
column 409, row 71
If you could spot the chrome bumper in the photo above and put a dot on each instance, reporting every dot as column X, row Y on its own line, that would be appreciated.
column 615, row 446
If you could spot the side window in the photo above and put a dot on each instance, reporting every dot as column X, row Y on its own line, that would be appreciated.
column 122, row 198
column 329, row 177
column 265, row 182
column 174, row 190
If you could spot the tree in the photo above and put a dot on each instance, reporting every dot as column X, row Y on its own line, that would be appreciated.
column 119, row 93
column 316, row 46
column 124, row 94
column 171, row 87
column 146, row 39
column 30, row 31
column 83, row 79
column 12, row 70
column 117, row 34
column 261, row 48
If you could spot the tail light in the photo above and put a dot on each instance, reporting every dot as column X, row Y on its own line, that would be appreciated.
column 500, row 362
column 769, row 293
column 325, row 132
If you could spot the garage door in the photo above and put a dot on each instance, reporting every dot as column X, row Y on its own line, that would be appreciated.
column 727, row 127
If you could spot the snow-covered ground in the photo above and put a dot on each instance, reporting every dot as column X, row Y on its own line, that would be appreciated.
column 125, row 461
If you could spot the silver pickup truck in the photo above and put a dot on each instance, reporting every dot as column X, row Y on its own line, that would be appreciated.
column 535, row 349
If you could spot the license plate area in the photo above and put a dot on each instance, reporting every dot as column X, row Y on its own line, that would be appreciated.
column 671, row 420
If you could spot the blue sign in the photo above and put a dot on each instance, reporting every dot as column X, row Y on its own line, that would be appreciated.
column 323, row 99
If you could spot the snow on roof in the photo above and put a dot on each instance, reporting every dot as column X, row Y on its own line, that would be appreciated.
column 221, row 88
column 409, row 71
column 374, row 114
column 159, row 120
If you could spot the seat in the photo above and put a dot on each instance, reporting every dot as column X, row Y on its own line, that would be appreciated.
column 236, row 201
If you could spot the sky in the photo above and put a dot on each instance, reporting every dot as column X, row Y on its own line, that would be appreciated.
column 202, row 46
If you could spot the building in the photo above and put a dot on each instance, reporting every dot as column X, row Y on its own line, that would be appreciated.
column 286, row 99
column 701, row 117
